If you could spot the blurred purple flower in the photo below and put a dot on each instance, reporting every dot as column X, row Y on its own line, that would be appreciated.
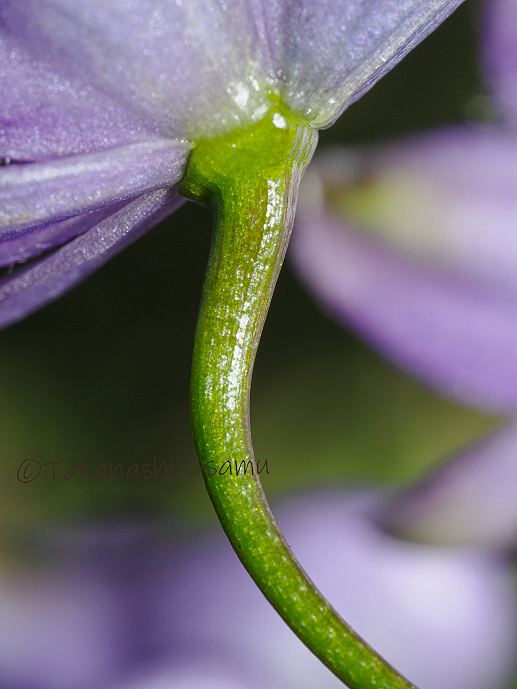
column 414, row 244
column 102, row 101
column 445, row 617
column 122, row 608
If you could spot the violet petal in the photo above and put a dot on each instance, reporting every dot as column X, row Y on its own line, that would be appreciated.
column 335, row 51
column 441, row 300
column 30, row 288
column 185, row 69
column 41, row 193
column 455, row 335
column 448, row 199
column 45, row 112
column 75, row 615
column 199, row 667
column 198, row 69
column 47, row 621
column 160, row 617
column 25, row 245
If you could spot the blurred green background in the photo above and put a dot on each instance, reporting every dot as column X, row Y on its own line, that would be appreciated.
column 103, row 373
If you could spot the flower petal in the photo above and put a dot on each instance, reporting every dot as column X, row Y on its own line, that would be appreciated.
column 25, row 245
column 41, row 193
column 455, row 335
column 67, row 622
column 448, row 199
column 333, row 51
column 185, row 69
column 44, row 112
column 446, row 308
column 30, row 288
column 470, row 500
column 501, row 55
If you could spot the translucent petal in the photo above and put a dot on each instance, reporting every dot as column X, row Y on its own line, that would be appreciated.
column 196, row 68
column 30, row 288
column 25, row 245
column 46, row 112
column 333, row 51
column 37, row 194
column 183, row 68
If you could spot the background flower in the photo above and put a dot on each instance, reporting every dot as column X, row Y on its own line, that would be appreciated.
column 124, row 606
column 440, row 615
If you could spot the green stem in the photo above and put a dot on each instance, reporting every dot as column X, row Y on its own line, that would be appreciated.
column 250, row 178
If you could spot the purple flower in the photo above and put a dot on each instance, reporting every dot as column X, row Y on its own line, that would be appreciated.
column 414, row 244
column 74, row 613
column 102, row 102
column 445, row 617
column 122, row 608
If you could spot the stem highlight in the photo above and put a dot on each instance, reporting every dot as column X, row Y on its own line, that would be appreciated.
column 250, row 179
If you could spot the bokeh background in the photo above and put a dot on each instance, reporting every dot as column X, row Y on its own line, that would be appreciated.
column 103, row 373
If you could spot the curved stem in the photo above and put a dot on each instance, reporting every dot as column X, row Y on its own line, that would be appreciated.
column 251, row 179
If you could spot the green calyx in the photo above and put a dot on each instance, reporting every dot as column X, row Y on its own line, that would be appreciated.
column 250, row 179
column 261, row 149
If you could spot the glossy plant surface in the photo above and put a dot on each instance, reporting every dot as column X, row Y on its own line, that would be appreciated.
column 251, row 180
